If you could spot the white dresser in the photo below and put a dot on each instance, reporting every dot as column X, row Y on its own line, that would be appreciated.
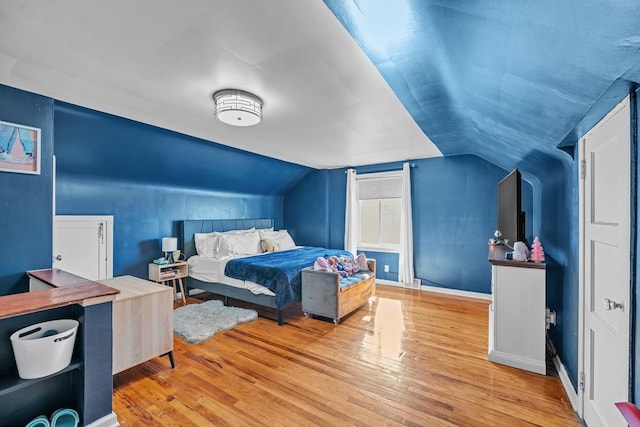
column 517, row 326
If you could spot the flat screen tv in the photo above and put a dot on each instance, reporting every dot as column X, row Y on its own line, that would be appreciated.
column 510, row 215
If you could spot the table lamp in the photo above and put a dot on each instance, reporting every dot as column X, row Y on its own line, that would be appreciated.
column 169, row 244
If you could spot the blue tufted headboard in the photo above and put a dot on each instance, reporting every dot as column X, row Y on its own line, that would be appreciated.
column 191, row 226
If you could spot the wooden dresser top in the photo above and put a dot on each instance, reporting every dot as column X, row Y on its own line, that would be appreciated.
column 67, row 289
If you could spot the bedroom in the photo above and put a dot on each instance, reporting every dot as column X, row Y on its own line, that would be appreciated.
column 107, row 165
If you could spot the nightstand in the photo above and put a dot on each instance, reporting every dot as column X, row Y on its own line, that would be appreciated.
column 162, row 273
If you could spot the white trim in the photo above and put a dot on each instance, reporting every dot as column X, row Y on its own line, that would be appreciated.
column 564, row 377
column 380, row 175
column 436, row 289
column 456, row 292
column 387, row 249
column 580, row 393
column 389, row 283
column 625, row 103
column 537, row 366
column 110, row 420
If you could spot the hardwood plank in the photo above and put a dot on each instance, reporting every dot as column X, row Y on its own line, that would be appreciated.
column 406, row 358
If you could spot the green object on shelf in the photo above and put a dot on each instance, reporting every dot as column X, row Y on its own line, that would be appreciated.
column 65, row 418
column 40, row 421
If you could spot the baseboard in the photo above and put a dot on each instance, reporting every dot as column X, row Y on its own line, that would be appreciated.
column 389, row 283
column 110, row 420
column 537, row 366
column 456, row 292
column 564, row 377
column 448, row 291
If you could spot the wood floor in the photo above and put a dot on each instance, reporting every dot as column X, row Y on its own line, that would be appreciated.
column 408, row 358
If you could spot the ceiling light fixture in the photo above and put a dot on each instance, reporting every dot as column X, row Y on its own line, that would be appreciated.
column 237, row 107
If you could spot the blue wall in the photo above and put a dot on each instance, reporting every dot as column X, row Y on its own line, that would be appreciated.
column 145, row 213
column 150, row 178
column 454, row 215
column 26, row 200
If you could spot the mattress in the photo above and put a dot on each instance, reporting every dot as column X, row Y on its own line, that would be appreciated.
column 212, row 270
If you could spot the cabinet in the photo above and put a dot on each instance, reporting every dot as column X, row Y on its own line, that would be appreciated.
column 517, row 325
column 174, row 272
column 86, row 384
column 142, row 321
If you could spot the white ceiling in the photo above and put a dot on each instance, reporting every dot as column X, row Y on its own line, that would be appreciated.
column 159, row 62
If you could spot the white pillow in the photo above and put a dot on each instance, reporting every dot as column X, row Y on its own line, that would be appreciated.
column 285, row 240
column 282, row 237
column 210, row 246
column 199, row 238
column 239, row 244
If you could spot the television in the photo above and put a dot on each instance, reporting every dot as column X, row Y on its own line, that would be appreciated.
column 511, row 218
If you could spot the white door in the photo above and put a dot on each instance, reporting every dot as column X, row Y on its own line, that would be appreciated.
column 606, row 247
column 82, row 246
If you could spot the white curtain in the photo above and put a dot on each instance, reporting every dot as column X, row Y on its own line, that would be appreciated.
column 352, row 214
column 405, row 262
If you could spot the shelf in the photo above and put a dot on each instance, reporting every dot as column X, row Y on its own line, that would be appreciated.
column 163, row 272
column 12, row 383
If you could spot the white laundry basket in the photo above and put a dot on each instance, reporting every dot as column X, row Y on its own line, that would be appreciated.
column 44, row 348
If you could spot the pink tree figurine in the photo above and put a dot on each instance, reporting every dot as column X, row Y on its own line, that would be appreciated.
column 537, row 252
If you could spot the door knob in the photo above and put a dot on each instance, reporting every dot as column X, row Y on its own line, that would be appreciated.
column 612, row 305
column 58, row 258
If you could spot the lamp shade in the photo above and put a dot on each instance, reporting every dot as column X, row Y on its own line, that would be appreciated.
column 169, row 244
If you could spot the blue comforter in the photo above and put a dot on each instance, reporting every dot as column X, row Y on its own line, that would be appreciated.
column 278, row 271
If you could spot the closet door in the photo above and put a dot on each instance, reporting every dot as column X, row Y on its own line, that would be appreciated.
column 82, row 245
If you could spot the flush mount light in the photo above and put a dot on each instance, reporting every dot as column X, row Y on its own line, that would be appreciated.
column 237, row 107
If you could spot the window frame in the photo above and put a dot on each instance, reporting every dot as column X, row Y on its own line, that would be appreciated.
column 380, row 247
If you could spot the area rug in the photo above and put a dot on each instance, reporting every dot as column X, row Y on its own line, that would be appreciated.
column 197, row 323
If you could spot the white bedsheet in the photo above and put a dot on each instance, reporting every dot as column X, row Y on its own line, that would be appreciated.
column 212, row 270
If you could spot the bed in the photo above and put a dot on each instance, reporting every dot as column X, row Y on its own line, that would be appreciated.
column 212, row 279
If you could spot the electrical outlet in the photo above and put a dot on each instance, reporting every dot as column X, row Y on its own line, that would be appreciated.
column 386, row 268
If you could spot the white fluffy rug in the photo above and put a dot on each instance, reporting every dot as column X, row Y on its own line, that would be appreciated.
column 197, row 323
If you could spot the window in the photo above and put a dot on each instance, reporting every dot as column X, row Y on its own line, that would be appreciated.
column 380, row 204
column 380, row 223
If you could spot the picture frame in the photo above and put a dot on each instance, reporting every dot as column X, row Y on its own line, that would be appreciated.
column 20, row 148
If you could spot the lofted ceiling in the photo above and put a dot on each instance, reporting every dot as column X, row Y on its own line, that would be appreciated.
column 345, row 82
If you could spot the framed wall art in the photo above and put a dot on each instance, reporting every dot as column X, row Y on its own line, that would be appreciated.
column 19, row 148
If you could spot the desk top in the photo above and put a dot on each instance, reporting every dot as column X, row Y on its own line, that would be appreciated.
column 68, row 289
column 132, row 287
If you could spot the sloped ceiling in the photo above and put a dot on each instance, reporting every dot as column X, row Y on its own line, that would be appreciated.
column 159, row 62
column 506, row 80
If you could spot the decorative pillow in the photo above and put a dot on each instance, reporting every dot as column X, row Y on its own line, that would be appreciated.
column 348, row 264
column 361, row 262
column 269, row 245
column 322, row 264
